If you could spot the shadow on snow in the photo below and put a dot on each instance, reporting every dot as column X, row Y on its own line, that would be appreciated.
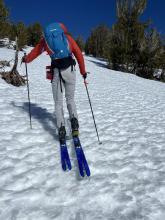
column 47, row 121
column 99, row 63
column 45, row 118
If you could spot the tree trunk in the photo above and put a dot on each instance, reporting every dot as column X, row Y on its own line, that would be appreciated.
column 16, row 57
column 13, row 77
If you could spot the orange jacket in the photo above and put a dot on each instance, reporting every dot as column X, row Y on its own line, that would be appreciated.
column 42, row 46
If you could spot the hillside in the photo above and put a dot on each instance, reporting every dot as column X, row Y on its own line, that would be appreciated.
column 127, row 171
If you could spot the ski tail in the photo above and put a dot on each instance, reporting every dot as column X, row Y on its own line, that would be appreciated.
column 81, row 159
column 65, row 160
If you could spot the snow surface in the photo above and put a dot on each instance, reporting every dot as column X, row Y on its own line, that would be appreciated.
column 127, row 171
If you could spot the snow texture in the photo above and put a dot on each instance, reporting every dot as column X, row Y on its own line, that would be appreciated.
column 127, row 171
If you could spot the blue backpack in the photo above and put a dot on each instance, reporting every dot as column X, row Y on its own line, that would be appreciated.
column 57, row 41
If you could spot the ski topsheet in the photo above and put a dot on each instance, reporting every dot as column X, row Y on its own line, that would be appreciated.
column 81, row 159
column 65, row 160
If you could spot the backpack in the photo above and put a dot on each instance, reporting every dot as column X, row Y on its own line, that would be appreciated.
column 57, row 41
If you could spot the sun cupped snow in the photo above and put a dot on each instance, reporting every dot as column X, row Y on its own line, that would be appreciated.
column 127, row 171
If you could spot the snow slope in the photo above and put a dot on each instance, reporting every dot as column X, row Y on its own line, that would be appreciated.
column 127, row 171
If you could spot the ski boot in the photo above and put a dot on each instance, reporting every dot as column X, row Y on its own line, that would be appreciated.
column 75, row 127
column 62, row 135
column 65, row 160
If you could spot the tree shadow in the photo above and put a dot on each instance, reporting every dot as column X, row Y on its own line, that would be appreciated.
column 99, row 63
column 45, row 118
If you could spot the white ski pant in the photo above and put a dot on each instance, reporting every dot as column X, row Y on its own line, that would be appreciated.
column 67, row 87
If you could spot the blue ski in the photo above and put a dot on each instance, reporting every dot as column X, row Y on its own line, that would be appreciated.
column 81, row 159
column 65, row 160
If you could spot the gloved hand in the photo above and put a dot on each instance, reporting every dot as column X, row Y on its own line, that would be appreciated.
column 23, row 59
column 84, row 75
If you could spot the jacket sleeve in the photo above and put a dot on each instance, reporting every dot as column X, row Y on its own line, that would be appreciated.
column 35, row 52
column 77, row 53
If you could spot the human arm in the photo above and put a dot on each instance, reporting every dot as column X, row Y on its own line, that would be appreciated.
column 78, row 54
column 35, row 52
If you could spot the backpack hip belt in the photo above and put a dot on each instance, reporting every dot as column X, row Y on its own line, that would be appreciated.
column 62, row 64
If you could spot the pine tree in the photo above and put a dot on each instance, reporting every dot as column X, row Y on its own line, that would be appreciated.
column 20, row 31
column 127, row 35
column 4, row 13
column 149, row 56
column 34, row 34
column 80, row 42
column 96, row 44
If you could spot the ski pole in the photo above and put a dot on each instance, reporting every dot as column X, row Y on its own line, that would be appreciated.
column 28, row 93
column 85, row 83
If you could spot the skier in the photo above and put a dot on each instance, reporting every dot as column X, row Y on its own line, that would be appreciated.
column 61, row 47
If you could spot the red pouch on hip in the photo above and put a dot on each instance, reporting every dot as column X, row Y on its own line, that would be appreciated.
column 49, row 73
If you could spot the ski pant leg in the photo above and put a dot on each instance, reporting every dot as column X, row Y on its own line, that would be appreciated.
column 58, row 98
column 70, row 83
